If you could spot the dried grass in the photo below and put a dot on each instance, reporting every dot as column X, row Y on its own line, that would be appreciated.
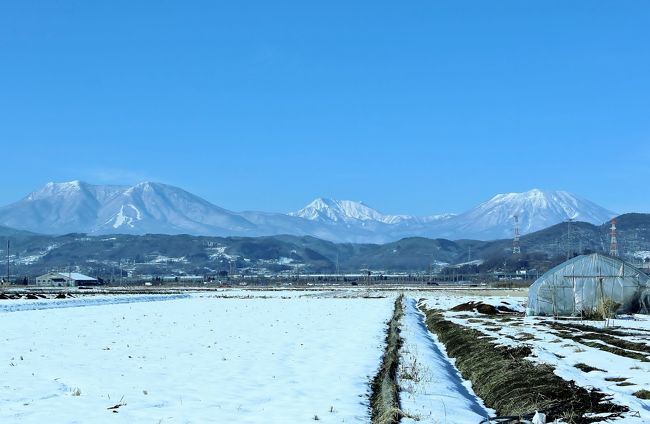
column 511, row 384
column 384, row 400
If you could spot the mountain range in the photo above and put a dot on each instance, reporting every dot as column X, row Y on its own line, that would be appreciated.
column 138, row 256
column 155, row 208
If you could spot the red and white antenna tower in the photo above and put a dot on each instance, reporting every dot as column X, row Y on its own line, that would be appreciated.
column 613, row 245
column 516, row 248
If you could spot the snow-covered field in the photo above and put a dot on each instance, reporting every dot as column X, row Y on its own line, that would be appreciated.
column 618, row 376
column 248, row 358
column 273, row 356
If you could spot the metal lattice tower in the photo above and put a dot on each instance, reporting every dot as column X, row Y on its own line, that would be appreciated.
column 569, row 247
column 516, row 248
column 613, row 245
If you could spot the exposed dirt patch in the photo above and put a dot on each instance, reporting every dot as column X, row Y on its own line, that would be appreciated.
column 606, row 330
column 615, row 379
column 586, row 368
column 603, row 334
column 483, row 308
column 585, row 335
column 34, row 296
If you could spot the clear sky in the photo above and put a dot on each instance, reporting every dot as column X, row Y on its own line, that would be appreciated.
column 414, row 107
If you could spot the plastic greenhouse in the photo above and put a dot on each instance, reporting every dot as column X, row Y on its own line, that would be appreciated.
column 581, row 284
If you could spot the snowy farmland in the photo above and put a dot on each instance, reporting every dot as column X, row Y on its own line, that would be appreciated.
column 271, row 357
column 290, row 356
column 612, row 359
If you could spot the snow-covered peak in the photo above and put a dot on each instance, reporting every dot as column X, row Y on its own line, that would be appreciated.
column 535, row 197
column 142, row 187
column 56, row 189
column 74, row 189
column 322, row 209
column 565, row 203
column 535, row 209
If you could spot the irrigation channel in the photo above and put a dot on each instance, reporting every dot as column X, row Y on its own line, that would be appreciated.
column 417, row 382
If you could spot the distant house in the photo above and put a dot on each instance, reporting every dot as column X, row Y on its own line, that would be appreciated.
column 65, row 279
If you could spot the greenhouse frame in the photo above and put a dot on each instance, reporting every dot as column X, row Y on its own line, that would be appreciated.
column 581, row 285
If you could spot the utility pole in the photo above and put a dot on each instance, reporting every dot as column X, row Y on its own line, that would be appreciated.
column 121, row 274
column 233, row 269
column 8, row 244
column 338, row 268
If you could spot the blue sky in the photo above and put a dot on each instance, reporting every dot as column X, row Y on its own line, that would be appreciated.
column 414, row 107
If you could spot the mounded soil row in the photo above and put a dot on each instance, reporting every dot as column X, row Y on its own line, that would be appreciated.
column 511, row 384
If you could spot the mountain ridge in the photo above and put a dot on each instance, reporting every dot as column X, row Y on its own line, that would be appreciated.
column 150, row 207
column 142, row 255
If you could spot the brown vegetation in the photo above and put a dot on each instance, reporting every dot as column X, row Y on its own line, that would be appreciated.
column 510, row 383
column 384, row 400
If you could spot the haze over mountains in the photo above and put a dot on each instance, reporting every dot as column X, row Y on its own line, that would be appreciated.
column 60, row 208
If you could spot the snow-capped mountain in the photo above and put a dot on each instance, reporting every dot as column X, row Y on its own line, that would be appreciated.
column 536, row 209
column 160, row 208
column 348, row 211
column 59, row 207
column 149, row 207
column 76, row 206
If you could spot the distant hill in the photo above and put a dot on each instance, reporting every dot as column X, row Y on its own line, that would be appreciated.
column 186, row 254
column 6, row 231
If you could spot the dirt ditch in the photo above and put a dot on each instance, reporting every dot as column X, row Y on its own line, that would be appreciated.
column 384, row 400
column 513, row 385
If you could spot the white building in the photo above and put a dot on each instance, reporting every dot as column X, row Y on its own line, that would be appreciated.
column 61, row 279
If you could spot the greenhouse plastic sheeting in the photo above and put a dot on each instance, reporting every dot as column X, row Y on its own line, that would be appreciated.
column 580, row 285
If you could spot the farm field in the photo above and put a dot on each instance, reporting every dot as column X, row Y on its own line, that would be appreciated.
column 246, row 358
column 612, row 358
column 292, row 356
